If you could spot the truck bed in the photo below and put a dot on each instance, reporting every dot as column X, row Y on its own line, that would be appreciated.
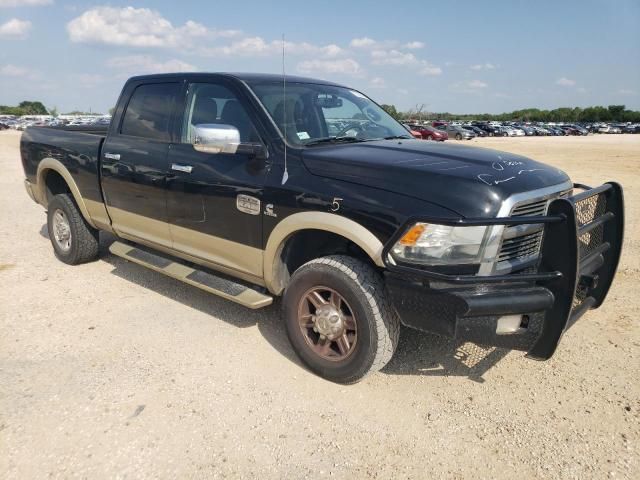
column 76, row 147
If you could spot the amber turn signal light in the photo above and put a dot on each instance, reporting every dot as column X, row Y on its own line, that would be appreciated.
column 411, row 237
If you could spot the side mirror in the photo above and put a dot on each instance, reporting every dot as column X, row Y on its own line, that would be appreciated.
column 216, row 138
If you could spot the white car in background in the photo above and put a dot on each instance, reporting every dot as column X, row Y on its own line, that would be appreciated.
column 513, row 132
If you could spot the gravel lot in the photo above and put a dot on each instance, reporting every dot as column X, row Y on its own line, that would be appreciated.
column 111, row 370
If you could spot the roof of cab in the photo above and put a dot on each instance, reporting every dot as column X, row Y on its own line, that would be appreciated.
column 245, row 77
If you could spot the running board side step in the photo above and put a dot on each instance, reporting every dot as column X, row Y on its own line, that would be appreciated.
column 208, row 282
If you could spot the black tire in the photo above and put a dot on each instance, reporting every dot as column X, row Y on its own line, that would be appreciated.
column 83, row 243
column 429, row 137
column 458, row 137
column 378, row 325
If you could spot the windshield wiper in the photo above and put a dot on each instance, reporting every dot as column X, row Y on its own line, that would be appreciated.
column 319, row 141
column 398, row 137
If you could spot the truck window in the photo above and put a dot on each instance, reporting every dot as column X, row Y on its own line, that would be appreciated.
column 209, row 103
column 149, row 111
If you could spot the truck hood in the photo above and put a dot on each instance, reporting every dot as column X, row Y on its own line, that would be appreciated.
column 471, row 181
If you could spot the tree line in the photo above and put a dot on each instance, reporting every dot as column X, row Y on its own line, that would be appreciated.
column 612, row 113
column 28, row 107
column 25, row 108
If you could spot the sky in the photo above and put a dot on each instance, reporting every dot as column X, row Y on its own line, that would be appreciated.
column 457, row 56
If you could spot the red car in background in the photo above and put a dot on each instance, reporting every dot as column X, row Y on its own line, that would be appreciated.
column 413, row 132
column 430, row 133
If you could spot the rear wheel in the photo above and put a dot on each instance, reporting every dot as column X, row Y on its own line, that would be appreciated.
column 429, row 137
column 339, row 319
column 458, row 137
column 74, row 240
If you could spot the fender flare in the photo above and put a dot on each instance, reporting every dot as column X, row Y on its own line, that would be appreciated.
column 44, row 166
column 274, row 275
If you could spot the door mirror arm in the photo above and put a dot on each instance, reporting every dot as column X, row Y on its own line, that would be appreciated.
column 253, row 150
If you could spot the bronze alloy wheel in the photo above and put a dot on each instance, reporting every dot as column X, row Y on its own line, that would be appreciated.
column 327, row 323
column 61, row 230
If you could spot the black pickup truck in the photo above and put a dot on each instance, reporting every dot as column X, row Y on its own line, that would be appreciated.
column 255, row 186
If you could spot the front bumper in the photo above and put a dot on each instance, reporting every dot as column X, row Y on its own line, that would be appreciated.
column 579, row 256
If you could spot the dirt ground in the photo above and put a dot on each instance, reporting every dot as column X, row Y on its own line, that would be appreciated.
column 112, row 370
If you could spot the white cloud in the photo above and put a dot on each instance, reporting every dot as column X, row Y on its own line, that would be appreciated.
column 14, row 71
column 483, row 66
column 405, row 59
column 333, row 50
column 258, row 46
column 364, row 42
column 472, row 86
column 24, row 3
column 15, row 28
column 430, row 70
column 141, row 64
column 477, row 84
column 393, row 57
column 377, row 82
column 413, row 45
column 565, row 82
column 345, row 66
column 136, row 27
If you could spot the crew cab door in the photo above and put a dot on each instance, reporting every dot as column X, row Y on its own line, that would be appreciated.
column 215, row 200
column 135, row 165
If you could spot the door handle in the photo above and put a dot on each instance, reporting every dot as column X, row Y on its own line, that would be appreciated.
column 181, row 168
column 112, row 156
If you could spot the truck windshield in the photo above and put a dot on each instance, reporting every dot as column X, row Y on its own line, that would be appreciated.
column 312, row 114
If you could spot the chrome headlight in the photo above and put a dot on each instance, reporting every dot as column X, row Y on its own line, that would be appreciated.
column 432, row 244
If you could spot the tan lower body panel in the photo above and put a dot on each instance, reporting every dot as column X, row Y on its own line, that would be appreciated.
column 230, row 255
column 198, row 278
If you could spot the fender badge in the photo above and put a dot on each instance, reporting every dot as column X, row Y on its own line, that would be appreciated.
column 268, row 211
column 247, row 204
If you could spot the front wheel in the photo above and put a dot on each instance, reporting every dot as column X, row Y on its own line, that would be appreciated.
column 339, row 319
column 458, row 137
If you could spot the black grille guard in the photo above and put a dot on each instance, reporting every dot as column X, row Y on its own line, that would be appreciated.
column 578, row 258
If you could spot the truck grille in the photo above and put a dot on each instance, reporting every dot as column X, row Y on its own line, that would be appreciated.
column 522, row 245
column 537, row 207
column 520, row 248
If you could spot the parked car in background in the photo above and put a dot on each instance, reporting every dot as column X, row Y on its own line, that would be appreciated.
column 557, row 131
column 573, row 130
column 513, row 132
column 491, row 130
column 609, row 129
column 457, row 132
column 528, row 131
column 413, row 132
column 478, row 131
column 430, row 133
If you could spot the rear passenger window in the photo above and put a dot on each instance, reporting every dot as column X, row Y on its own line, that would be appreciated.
column 149, row 111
